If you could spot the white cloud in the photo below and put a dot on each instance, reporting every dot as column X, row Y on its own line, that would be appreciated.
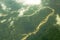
column 3, row 6
column 32, row 2
column 22, row 10
column 11, row 23
column 29, row 2
column 3, row 21
column 57, row 19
